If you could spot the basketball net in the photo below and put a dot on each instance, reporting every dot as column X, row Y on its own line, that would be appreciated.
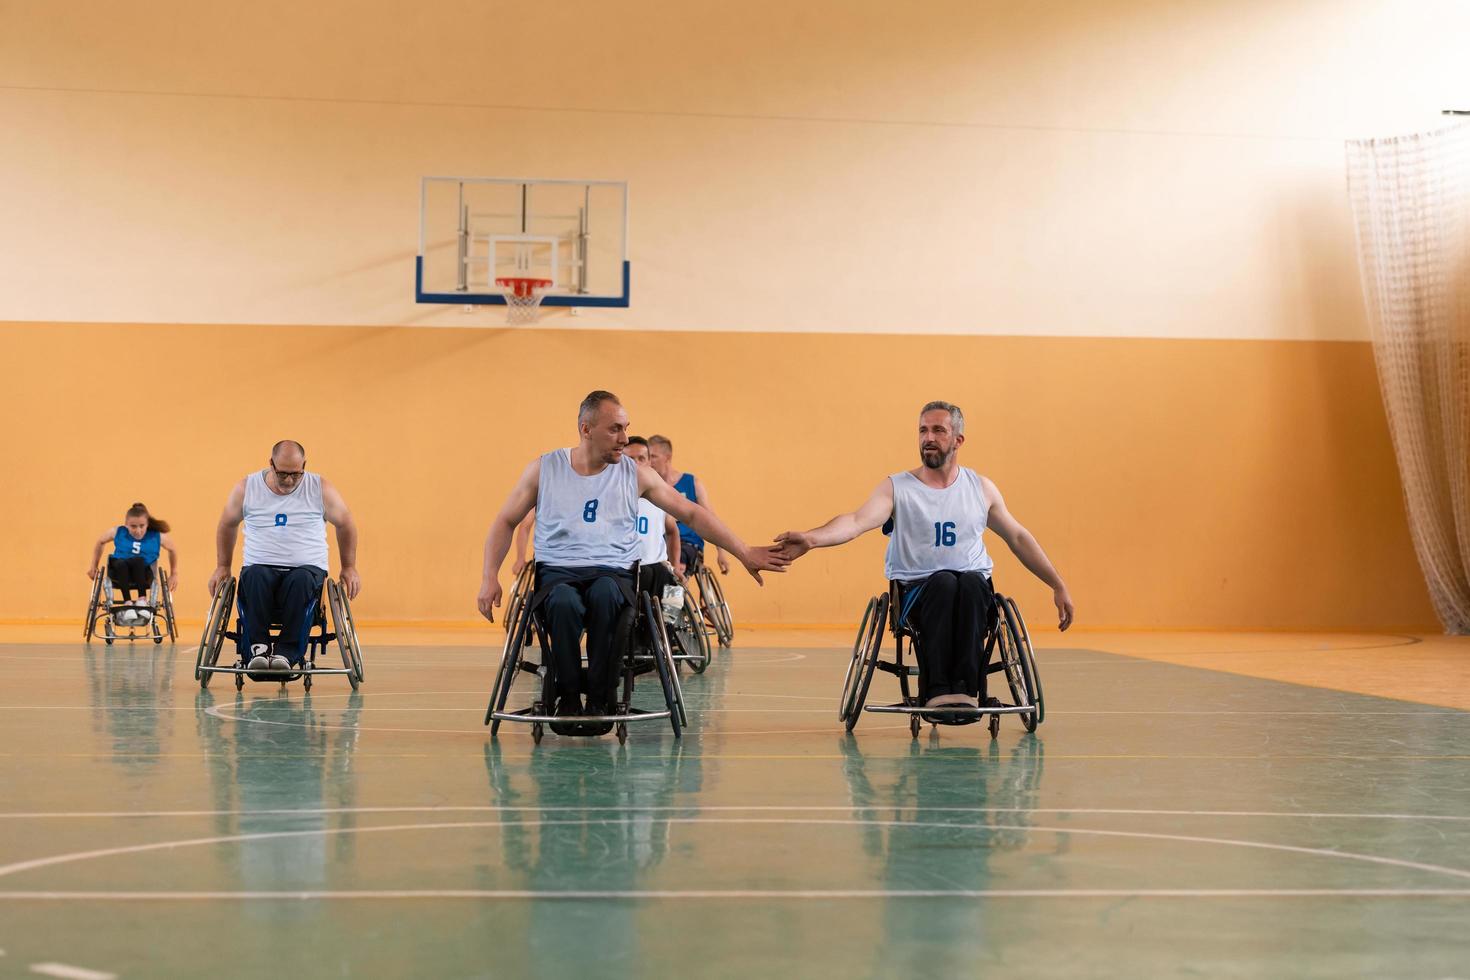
column 522, row 297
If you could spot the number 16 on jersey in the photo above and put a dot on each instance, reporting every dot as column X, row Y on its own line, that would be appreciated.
column 944, row 536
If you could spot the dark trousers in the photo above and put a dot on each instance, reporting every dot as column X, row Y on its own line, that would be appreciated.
column 951, row 611
column 691, row 554
column 578, row 600
column 130, row 575
column 653, row 578
column 272, row 595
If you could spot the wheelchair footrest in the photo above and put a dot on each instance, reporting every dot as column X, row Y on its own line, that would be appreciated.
column 949, row 709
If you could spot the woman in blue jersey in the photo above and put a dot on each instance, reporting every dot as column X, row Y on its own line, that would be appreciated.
column 136, row 544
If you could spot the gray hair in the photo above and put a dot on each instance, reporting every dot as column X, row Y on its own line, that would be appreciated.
column 587, row 411
column 956, row 417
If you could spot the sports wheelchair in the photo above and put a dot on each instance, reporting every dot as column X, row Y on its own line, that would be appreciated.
column 1006, row 634
column 686, row 625
column 712, row 605
column 343, row 633
column 640, row 641
column 104, row 611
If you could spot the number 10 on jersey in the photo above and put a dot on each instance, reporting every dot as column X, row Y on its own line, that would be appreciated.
column 944, row 536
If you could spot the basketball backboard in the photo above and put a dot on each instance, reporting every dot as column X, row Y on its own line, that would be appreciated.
column 475, row 230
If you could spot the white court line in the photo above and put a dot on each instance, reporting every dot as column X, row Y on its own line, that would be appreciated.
column 731, row 808
column 743, row 893
column 77, row 856
column 70, row 972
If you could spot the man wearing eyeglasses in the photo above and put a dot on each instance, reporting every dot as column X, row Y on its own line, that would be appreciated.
column 285, row 510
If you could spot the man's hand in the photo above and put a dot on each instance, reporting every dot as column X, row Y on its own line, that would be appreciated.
column 173, row 583
column 720, row 561
column 792, row 545
column 517, row 567
column 351, row 581
column 1064, row 608
column 679, row 569
column 92, row 571
column 489, row 598
column 220, row 573
column 757, row 560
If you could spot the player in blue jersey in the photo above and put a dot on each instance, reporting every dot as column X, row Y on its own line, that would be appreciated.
column 940, row 511
column 691, row 543
column 136, row 545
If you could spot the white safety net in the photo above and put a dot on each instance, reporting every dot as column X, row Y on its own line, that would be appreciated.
column 1411, row 202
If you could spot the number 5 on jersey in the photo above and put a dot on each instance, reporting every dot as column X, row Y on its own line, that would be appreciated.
column 944, row 536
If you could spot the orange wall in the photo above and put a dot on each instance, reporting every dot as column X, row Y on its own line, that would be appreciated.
column 1176, row 483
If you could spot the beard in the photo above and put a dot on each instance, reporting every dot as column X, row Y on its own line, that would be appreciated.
column 935, row 459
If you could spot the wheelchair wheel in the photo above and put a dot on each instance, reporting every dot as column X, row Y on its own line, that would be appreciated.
column 353, row 645
column 342, row 627
column 724, row 624
column 1008, row 646
column 90, row 626
column 1028, row 659
column 855, row 665
column 870, row 661
column 690, row 635
column 167, row 602
column 519, row 593
column 517, row 632
column 214, row 633
column 664, row 665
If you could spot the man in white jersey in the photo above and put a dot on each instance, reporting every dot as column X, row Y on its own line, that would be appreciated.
column 586, row 501
column 285, row 510
column 940, row 511
column 658, row 532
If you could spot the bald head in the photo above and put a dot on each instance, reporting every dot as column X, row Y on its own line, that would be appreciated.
column 288, row 452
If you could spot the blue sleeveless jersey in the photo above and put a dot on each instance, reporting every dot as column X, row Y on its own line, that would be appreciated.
column 687, row 533
column 124, row 545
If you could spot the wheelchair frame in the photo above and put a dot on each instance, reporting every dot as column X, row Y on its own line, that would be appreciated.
column 343, row 633
column 101, row 608
column 656, row 655
column 1016, row 660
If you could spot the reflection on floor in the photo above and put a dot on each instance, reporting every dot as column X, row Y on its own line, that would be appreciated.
column 1212, row 803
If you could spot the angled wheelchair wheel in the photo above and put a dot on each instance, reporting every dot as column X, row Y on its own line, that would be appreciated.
column 519, row 592
column 166, row 603
column 664, row 664
column 855, row 665
column 724, row 622
column 869, row 662
column 214, row 632
column 1028, row 659
column 690, row 635
column 1008, row 648
column 337, row 601
column 517, row 631
column 90, row 626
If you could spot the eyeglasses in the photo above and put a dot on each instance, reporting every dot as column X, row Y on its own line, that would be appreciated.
column 287, row 474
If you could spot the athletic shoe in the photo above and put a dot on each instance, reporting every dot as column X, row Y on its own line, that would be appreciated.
column 941, row 701
column 566, row 707
column 126, row 617
column 279, row 662
column 597, row 708
column 258, row 661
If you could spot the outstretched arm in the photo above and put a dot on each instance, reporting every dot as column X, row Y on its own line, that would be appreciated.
column 334, row 508
column 97, row 553
column 755, row 560
column 842, row 528
column 1025, row 547
column 225, row 534
column 497, row 542
column 702, row 496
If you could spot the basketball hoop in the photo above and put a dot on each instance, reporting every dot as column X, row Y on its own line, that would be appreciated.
column 522, row 297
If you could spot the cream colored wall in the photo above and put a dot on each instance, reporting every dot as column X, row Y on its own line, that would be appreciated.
column 971, row 200
column 1126, row 168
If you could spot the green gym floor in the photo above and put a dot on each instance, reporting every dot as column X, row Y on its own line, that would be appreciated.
column 1183, row 810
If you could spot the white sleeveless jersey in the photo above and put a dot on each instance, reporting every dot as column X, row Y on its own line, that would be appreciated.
column 653, row 546
column 587, row 520
column 285, row 529
column 937, row 530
